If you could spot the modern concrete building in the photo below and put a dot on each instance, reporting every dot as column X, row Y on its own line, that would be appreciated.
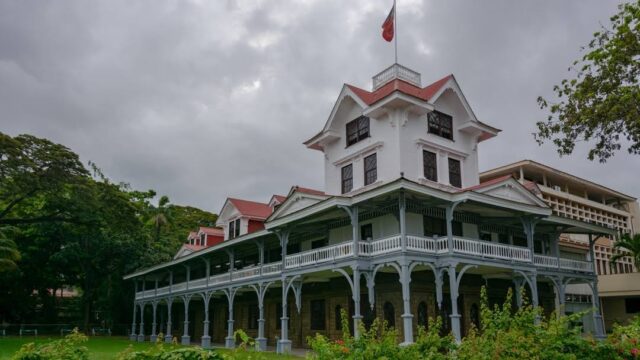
column 576, row 198
column 404, row 229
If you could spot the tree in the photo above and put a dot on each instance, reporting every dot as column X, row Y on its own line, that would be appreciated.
column 602, row 102
column 629, row 246
column 9, row 254
column 36, row 176
column 160, row 216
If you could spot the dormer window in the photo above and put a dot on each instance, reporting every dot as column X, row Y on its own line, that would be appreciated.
column 234, row 228
column 357, row 130
column 203, row 240
column 440, row 124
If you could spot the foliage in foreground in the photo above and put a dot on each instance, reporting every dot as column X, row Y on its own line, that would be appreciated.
column 505, row 333
column 69, row 348
column 601, row 102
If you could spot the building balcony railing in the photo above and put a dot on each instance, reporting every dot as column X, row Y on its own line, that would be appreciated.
column 561, row 263
column 436, row 246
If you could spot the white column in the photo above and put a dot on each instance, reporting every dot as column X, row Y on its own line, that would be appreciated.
column 132, row 335
column 205, row 341
column 261, row 341
column 455, row 316
column 141, row 333
column 229, row 341
column 407, row 317
column 403, row 224
column 284, row 346
column 357, row 316
column 186, row 339
column 154, row 336
column 168, row 337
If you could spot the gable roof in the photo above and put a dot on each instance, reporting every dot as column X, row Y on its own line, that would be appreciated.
column 252, row 209
column 404, row 87
column 524, row 191
column 211, row 231
column 305, row 190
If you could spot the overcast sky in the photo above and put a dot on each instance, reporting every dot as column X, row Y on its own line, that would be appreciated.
column 201, row 100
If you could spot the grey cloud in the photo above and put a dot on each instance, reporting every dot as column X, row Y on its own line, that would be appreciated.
column 164, row 95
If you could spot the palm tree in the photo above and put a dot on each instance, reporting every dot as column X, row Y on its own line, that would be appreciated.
column 629, row 246
column 9, row 253
column 160, row 216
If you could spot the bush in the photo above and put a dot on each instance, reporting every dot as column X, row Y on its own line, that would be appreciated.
column 381, row 342
column 504, row 334
column 625, row 340
column 160, row 352
column 69, row 348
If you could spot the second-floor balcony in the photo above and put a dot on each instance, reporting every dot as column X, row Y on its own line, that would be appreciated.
column 435, row 247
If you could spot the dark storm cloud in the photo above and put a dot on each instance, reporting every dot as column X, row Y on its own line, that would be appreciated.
column 204, row 99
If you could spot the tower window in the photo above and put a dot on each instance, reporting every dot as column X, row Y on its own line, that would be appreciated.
column 370, row 169
column 347, row 178
column 357, row 130
column 455, row 176
column 430, row 164
column 440, row 124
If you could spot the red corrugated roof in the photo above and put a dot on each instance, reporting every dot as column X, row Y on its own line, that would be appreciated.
column 487, row 183
column 280, row 198
column 308, row 191
column 193, row 247
column 211, row 231
column 402, row 86
column 251, row 208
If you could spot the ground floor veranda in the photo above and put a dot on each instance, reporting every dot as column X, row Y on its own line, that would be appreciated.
column 322, row 296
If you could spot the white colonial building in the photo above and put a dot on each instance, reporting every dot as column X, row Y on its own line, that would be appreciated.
column 403, row 230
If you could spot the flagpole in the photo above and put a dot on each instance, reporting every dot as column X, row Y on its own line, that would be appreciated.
column 395, row 23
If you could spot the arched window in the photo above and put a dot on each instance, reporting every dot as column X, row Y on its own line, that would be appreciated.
column 389, row 314
column 474, row 314
column 338, row 317
column 423, row 318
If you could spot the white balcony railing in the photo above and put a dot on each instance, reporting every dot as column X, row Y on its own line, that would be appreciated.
column 491, row 250
column 565, row 264
column 545, row 261
column 577, row 265
column 382, row 246
column 429, row 245
column 321, row 255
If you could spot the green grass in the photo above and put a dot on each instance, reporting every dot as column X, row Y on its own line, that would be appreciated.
column 104, row 348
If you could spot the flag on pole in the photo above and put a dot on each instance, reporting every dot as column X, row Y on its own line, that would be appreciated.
column 388, row 25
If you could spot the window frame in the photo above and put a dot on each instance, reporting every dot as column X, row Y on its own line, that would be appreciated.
column 357, row 130
column 434, row 168
column 370, row 174
column 231, row 229
column 441, row 123
column 344, row 180
column 451, row 160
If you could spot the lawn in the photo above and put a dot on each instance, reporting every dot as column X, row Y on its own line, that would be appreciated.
column 103, row 348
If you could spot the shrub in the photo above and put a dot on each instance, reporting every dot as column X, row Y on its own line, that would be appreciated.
column 504, row 333
column 625, row 340
column 380, row 342
column 160, row 352
column 69, row 348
